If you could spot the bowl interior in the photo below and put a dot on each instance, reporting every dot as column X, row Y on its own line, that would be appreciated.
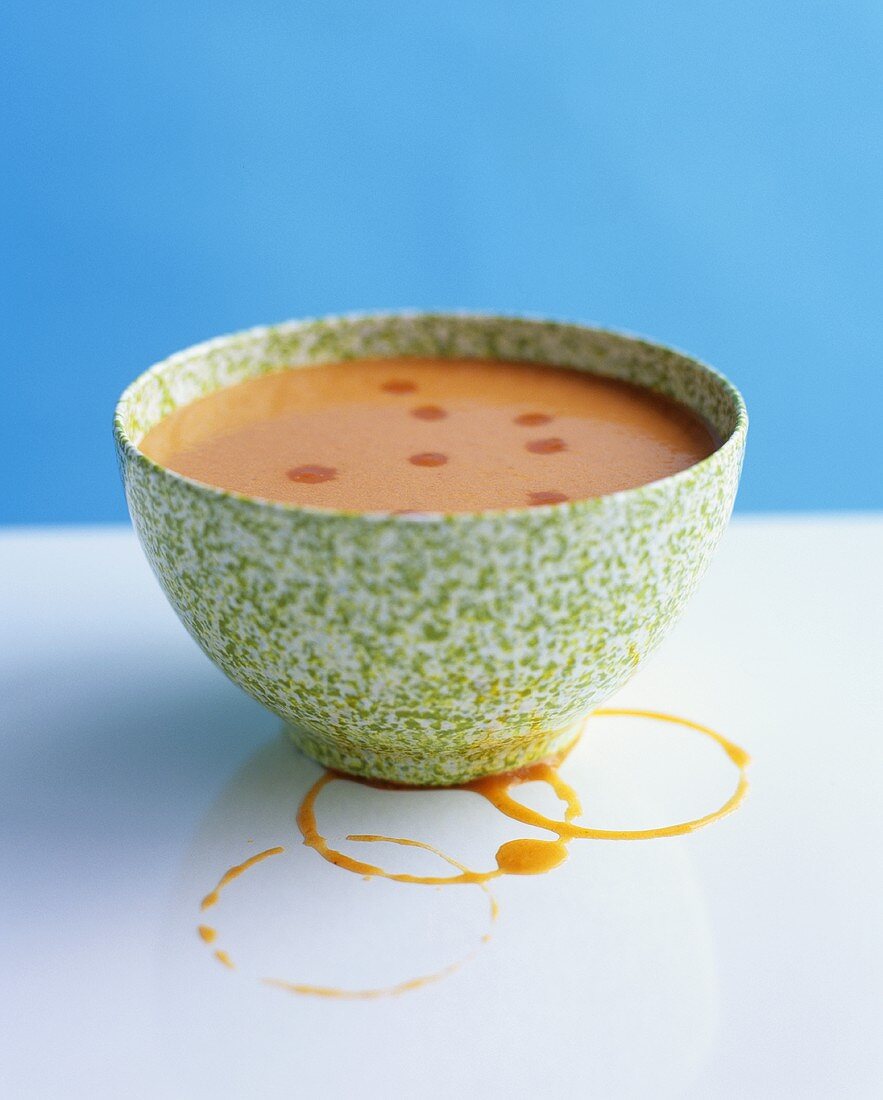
column 204, row 368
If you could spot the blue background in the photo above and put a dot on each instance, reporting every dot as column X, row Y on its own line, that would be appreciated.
column 707, row 174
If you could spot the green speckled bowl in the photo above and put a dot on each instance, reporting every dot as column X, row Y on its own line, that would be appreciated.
column 429, row 649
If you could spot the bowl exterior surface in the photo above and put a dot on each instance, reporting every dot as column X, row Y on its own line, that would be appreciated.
column 429, row 650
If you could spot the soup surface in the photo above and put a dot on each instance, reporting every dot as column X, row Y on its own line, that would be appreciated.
column 429, row 435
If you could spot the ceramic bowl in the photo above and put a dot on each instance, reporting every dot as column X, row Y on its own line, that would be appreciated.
column 429, row 649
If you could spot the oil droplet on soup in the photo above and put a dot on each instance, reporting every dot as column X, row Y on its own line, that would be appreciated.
column 429, row 412
column 428, row 458
column 547, row 496
column 545, row 446
column 312, row 475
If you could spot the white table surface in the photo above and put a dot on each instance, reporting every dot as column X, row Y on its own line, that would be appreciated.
column 741, row 961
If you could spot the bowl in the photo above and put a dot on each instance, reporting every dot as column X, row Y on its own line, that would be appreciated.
column 429, row 649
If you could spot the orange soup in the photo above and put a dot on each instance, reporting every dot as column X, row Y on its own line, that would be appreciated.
column 429, row 435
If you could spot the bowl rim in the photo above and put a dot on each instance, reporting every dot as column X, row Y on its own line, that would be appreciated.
column 133, row 452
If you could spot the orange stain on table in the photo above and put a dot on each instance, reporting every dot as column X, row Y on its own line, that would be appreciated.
column 515, row 857
column 411, row 983
column 331, row 992
column 525, row 857
column 212, row 898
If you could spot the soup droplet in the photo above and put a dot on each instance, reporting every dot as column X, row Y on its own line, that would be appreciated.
column 312, row 475
column 428, row 458
column 547, row 496
column 530, row 857
column 399, row 385
column 546, row 446
column 429, row 412
column 532, row 420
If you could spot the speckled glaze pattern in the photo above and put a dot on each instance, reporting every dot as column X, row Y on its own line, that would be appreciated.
column 429, row 649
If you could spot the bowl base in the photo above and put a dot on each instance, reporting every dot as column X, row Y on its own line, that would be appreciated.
column 434, row 769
